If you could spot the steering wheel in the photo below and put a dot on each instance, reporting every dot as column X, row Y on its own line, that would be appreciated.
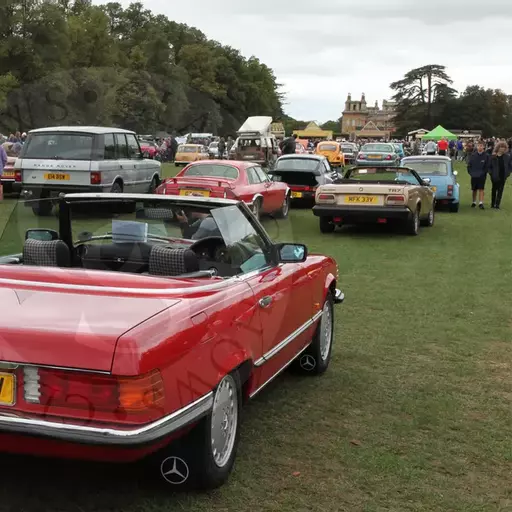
column 208, row 247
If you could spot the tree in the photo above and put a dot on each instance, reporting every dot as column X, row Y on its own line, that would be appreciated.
column 68, row 61
column 416, row 93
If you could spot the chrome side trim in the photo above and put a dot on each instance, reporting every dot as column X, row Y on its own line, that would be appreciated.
column 255, row 392
column 109, row 436
column 271, row 353
column 13, row 365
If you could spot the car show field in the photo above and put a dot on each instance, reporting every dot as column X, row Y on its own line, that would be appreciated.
column 413, row 413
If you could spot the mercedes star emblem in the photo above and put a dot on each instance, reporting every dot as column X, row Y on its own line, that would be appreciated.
column 174, row 470
column 307, row 362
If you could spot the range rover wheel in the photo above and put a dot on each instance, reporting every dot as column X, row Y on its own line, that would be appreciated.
column 316, row 358
column 204, row 458
column 327, row 225
column 117, row 188
column 412, row 226
column 43, row 208
column 153, row 185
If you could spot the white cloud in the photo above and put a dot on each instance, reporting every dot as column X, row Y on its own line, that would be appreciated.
column 320, row 52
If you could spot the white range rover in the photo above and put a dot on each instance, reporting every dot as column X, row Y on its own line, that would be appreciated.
column 83, row 159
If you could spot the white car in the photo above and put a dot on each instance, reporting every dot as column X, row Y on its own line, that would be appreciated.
column 83, row 159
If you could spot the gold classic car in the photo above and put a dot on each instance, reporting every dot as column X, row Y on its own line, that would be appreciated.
column 376, row 195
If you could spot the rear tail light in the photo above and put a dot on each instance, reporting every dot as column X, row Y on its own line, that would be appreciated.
column 388, row 157
column 395, row 200
column 326, row 198
column 17, row 176
column 90, row 392
column 229, row 194
column 361, row 156
column 450, row 190
column 95, row 178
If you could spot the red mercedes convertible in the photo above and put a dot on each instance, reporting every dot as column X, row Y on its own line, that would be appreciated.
column 135, row 327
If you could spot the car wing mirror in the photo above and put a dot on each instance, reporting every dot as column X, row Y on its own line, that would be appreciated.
column 427, row 181
column 291, row 253
column 45, row 235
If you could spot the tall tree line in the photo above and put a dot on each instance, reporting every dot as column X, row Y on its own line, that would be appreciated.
column 425, row 98
column 69, row 62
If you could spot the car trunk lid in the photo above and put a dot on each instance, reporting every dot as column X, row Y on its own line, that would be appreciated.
column 203, row 186
column 369, row 195
column 49, row 172
column 68, row 327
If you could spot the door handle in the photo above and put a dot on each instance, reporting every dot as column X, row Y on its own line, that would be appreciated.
column 265, row 302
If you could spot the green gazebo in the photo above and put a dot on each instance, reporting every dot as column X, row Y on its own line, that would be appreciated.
column 439, row 133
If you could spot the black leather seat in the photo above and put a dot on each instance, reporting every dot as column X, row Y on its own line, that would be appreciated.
column 42, row 253
column 166, row 261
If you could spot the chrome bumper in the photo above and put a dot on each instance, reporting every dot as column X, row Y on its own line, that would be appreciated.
column 84, row 434
column 339, row 296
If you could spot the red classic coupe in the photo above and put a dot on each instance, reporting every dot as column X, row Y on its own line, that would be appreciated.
column 140, row 325
column 231, row 179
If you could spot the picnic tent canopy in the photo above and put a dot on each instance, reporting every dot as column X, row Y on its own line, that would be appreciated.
column 439, row 133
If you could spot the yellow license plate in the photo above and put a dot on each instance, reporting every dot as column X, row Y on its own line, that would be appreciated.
column 7, row 388
column 58, row 176
column 434, row 188
column 361, row 199
column 373, row 157
column 296, row 195
column 197, row 193
column 8, row 174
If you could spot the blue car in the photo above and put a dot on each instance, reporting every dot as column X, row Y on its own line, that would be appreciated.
column 443, row 178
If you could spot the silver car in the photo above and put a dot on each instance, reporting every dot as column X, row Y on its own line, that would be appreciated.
column 83, row 159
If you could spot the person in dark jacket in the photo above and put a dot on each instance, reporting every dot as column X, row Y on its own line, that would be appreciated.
column 500, row 169
column 478, row 166
column 221, row 148
column 289, row 145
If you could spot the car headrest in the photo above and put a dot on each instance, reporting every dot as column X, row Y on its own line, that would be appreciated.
column 41, row 253
column 166, row 261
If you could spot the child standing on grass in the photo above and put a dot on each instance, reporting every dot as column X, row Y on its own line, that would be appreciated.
column 500, row 168
column 478, row 167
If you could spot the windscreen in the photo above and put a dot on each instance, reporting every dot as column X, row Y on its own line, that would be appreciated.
column 212, row 170
column 188, row 149
column 58, row 146
column 297, row 164
column 379, row 148
column 429, row 168
column 382, row 175
column 327, row 147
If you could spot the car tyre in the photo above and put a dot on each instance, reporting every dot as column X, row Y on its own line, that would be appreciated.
column 43, row 208
column 316, row 358
column 429, row 221
column 204, row 466
column 153, row 185
column 117, row 188
column 285, row 208
column 454, row 207
column 327, row 225
column 256, row 209
column 413, row 223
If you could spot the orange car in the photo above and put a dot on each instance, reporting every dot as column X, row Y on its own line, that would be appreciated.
column 188, row 153
column 332, row 151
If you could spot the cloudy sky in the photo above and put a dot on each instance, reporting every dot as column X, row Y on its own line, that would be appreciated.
column 322, row 51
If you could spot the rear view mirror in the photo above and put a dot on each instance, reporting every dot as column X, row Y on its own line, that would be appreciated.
column 292, row 253
column 45, row 235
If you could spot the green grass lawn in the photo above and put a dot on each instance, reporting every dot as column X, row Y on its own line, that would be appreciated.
column 414, row 414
